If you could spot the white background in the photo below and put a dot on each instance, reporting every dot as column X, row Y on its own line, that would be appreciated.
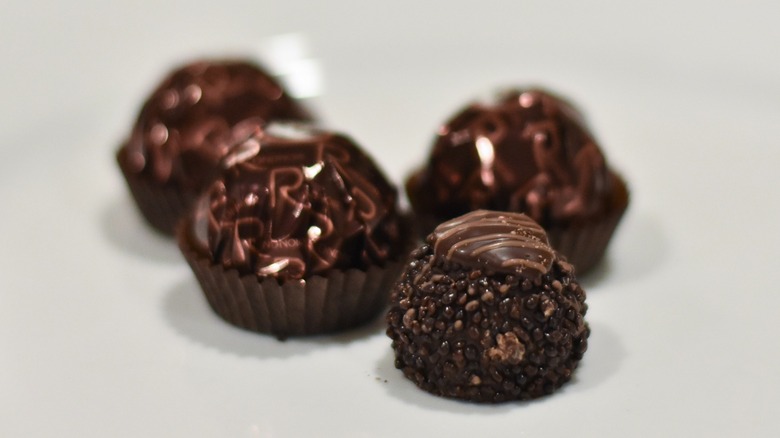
column 103, row 331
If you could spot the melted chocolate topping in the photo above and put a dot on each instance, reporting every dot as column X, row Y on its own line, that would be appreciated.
column 295, row 202
column 185, row 126
column 527, row 151
column 497, row 241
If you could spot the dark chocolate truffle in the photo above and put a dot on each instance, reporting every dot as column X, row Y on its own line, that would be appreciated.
column 528, row 151
column 300, row 235
column 184, row 129
column 487, row 311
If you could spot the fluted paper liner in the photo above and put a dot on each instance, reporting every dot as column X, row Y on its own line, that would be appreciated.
column 339, row 300
column 161, row 205
column 584, row 245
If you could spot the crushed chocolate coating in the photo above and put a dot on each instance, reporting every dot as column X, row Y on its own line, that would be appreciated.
column 181, row 131
column 463, row 333
column 526, row 151
column 295, row 201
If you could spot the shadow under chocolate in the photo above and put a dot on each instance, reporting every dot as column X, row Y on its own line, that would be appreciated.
column 639, row 247
column 186, row 310
column 122, row 225
column 605, row 354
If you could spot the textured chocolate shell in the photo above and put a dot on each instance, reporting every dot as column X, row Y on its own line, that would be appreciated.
column 528, row 151
column 296, row 201
column 185, row 127
column 483, row 331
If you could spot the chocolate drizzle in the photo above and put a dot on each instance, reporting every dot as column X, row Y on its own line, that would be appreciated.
column 496, row 241
column 186, row 124
column 527, row 151
column 297, row 202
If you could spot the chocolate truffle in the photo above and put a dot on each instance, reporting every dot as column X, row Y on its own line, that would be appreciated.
column 300, row 235
column 527, row 151
column 174, row 149
column 487, row 311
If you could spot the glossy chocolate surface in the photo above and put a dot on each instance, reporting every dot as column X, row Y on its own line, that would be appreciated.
column 497, row 241
column 295, row 202
column 527, row 151
column 184, row 128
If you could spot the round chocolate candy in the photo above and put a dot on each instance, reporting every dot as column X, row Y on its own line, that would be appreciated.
column 306, row 228
column 185, row 127
column 528, row 151
column 487, row 311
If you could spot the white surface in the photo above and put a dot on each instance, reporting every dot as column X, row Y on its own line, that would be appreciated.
column 103, row 331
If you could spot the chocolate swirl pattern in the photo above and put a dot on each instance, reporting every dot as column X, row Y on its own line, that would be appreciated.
column 184, row 128
column 305, row 202
column 177, row 145
column 496, row 241
column 526, row 151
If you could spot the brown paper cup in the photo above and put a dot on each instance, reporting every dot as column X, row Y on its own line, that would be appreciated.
column 161, row 205
column 337, row 301
column 584, row 244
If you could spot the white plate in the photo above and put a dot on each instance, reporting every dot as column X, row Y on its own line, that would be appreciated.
column 103, row 331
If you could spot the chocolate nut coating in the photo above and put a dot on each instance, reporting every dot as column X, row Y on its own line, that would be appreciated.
column 461, row 332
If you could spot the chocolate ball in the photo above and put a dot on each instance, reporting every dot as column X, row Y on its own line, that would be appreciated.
column 528, row 151
column 300, row 210
column 296, row 201
column 487, row 311
column 184, row 129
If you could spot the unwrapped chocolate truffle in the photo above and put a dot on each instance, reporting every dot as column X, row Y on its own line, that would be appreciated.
column 300, row 235
column 487, row 311
column 528, row 151
column 184, row 128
